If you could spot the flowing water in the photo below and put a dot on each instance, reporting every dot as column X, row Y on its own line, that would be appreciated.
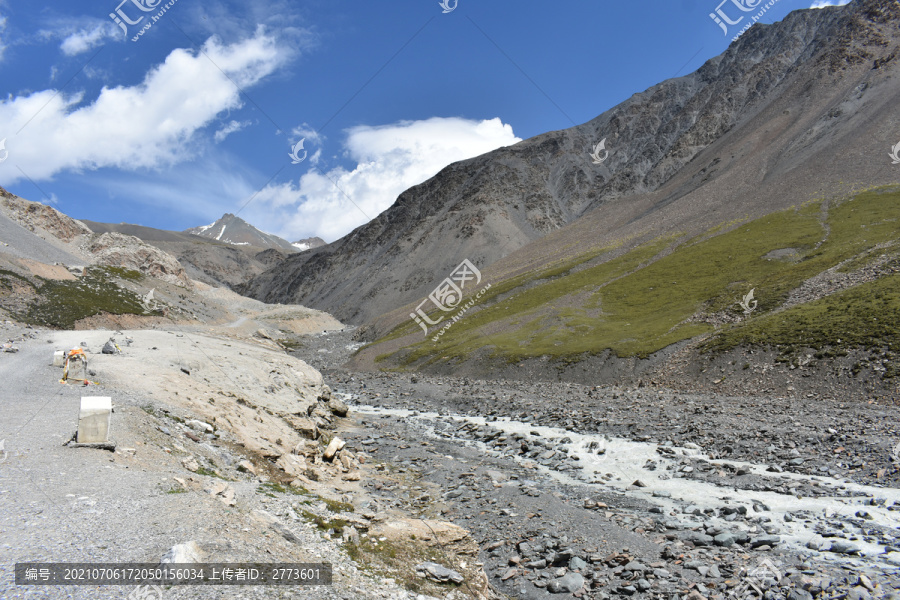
column 623, row 463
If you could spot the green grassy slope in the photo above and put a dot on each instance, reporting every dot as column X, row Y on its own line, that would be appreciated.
column 60, row 304
column 651, row 296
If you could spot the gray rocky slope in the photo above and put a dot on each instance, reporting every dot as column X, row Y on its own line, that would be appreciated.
column 791, row 111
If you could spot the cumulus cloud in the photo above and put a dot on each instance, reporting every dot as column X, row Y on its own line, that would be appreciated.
column 389, row 159
column 86, row 38
column 148, row 125
column 824, row 3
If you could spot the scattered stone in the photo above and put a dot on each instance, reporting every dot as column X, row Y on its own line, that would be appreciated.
column 334, row 446
column 844, row 547
column 569, row 583
column 438, row 573
column 765, row 540
column 190, row 463
column 338, row 407
column 859, row 593
column 725, row 539
column 699, row 539
column 188, row 552
column 291, row 464
column 304, row 426
column 200, row 426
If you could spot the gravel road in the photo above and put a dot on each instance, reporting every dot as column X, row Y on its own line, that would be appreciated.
column 65, row 504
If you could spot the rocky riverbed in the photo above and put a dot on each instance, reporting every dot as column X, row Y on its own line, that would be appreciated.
column 422, row 487
column 594, row 492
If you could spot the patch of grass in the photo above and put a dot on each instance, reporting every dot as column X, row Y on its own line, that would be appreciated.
column 338, row 507
column 120, row 272
column 397, row 560
column 551, row 272
column 864, row 316
column 147, row 408
column 176, row 490
column 271, row 488
column 212, row 473
column 63, row 303
column 290, row 345
column 643, row 300
column 321, row 523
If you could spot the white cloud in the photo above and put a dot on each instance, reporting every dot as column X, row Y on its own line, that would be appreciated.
column 2, row 29
column 148, row 125
column 89, row 37
column 824, row 3
column 230, row 128
column 307, row 132
column 389, row 160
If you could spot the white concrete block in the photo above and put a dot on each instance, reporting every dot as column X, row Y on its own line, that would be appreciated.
column 59, row 358
column 93, row 420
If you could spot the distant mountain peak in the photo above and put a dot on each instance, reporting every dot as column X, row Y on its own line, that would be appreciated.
column 231, row 229
column 308, row 243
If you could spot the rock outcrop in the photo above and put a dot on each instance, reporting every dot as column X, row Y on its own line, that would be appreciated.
column 118, row 250
column 37, row 217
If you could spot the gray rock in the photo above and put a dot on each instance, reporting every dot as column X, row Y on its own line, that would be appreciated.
column 815, row 543
column 438, row 573
column 188, row 552
column 799, row 594
column 570, row 583
column 859, row 593
column 843, row 547
column 765, row 540
column 699, row 539
column 338, row 407
column 695, row 565
column 577, row 564
column 725, row 539
column 200, row 426
column 563, row 556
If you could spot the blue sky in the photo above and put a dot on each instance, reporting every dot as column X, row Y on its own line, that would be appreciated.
column 198, row 115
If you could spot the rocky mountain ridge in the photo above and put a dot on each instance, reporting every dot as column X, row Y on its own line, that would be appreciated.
column 232, row 229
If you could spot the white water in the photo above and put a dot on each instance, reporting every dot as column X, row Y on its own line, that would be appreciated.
column 624, row 459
